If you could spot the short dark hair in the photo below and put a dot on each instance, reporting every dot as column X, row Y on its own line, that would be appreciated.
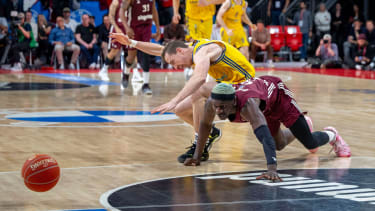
column 171, row 47
column 260, row 21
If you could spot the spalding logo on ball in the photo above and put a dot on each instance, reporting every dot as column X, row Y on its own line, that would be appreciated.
column 40, row 173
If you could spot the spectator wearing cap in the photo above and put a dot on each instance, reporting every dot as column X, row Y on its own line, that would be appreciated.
column 327, row 52
column 351, row 42
column 62, row 38
column 363, row 54
column 261, row 41
column 69, row 23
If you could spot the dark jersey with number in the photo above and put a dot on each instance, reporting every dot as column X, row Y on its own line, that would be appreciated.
column 141, row 13
column 276, row 99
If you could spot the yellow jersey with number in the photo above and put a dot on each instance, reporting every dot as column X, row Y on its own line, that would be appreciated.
column 193, row 11
column 232, row 17
column 231, row 66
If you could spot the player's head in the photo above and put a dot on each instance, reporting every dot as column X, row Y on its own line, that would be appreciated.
column 223, row 99
column 177, row 54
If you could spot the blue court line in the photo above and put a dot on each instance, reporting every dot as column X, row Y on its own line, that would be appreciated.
column 78, row 79
column 102, row 113
column 87, row 210
column 89, row 119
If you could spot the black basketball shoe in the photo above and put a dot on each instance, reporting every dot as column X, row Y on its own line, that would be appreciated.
column 124, row 80
column 146, row 89
column 213, row 137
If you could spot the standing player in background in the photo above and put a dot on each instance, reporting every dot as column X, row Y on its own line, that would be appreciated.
column 230, row 16
column 199, row 17
column 117, row 19
column 140, row 14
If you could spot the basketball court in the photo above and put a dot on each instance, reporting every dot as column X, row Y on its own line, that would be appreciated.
column 114, row 155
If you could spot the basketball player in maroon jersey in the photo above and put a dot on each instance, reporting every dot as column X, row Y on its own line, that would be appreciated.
column 265, row 102
column 140, row 14
column 117, row 19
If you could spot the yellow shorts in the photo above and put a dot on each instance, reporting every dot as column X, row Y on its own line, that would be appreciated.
column 198, row 29
column 238, row 40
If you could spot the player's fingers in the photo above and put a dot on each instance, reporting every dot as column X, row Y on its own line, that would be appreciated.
column 260, row 177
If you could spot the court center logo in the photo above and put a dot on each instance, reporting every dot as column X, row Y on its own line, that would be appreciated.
column 87, row 118
column 301, row 189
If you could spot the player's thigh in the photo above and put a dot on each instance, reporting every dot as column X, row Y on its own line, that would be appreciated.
column 185, row 105
column 205, row 29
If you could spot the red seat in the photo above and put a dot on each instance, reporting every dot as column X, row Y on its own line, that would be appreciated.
column 293, row 37
column 277, row 37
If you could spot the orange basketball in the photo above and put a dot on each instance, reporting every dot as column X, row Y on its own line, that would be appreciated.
column 40, row 173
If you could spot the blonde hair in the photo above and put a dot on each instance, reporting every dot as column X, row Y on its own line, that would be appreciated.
column 41, row 17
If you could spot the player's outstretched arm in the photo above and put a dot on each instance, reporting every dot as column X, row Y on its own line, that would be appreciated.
column 205, row 126
column 254, row 115
column 223, row 8
column 147, row 47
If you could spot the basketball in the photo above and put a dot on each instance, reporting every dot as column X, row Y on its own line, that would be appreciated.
column 40, row 173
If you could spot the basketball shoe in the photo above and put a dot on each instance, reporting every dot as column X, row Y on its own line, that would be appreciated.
column 146, row 89
column 124, row 80
column 340, row 147
column 214, row 136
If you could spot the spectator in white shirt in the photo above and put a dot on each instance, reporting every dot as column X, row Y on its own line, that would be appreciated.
column 322, row 21
column 69, row 23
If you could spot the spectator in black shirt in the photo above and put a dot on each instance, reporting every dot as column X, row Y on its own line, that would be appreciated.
column 355, row 31
column 103, row 31
column 86, row 38
column 44, row 29
column 338, row 27
column 363, row 53
column 370, row 32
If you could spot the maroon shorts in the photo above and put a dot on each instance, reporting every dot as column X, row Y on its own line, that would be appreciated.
column 116, row 45
column 141, row 33
column 286, row 111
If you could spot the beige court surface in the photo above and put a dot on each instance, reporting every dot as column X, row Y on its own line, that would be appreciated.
column 97, row 157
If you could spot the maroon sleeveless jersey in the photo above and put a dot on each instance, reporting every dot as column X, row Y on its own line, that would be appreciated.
column 277, row 100
column 117, row 15
column 141, row 12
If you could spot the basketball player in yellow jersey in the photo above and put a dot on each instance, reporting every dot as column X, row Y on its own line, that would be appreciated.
column 199, row 16
column 218, row 59
column 230, row 16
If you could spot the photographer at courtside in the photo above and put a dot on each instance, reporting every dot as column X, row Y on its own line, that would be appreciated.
column 20, row 43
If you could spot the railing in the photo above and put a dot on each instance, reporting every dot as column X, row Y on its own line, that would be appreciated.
column 259, row 11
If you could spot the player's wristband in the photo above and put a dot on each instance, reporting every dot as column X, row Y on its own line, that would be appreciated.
column 264, row 136
column 133, row 43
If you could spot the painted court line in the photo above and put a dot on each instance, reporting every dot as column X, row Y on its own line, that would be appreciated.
column 220, row 203
column 78, row 79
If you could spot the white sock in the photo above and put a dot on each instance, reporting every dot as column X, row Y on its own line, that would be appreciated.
column 331, row 135
column 195, row 138
column 146, row 77
column 127, row 69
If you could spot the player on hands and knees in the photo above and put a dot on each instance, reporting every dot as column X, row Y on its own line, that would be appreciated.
column 216, row 58
column 117, row 19
column 265, row 102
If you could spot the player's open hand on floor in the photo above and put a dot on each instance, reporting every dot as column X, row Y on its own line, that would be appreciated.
column 192, row 162
column 170, row 106
column 120, row 38
column 270, row 175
